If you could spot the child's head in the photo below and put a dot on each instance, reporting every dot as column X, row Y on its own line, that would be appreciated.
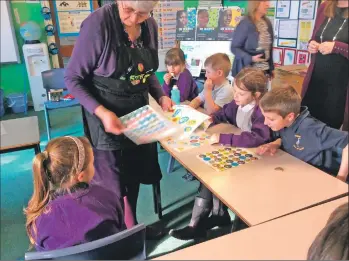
column 217, row 67
column 332, row 241
column 249, row 85
column 280, row 107
column 203, row 18
column 175, row 61
column 65, row 162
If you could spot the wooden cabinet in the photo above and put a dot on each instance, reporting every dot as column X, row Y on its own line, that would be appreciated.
column 291, row 75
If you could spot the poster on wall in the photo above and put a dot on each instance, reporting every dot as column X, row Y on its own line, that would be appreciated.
column 291, row 43
column 302, row 57
column 283, row 8
column 288, row 29
column 207, row 24
column 229, row 18
column 278, row 56
column 289, row 56
column 304, row 35
column 186, row 23
column 307, row 9
column 70, row 15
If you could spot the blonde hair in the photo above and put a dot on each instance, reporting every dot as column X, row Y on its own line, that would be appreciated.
column 282, row 100
column 332, row 241
column 252, row 9
column 144, row 5
column 52, row 168
column 219, row 61
column 252, row 80
column 330, row 9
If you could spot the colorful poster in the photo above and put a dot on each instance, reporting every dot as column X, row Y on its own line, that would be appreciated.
column 186, row 23
column 229, row 18
column 73, row 5
column 307, row 9
column 302, row 57
column 292, row 43
column 70, row 22
column 289, row 56
column 283, row 8
column 207, row 24
column 304, row 35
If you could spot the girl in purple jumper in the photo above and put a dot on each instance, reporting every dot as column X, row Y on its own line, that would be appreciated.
column 65, row 210
column 250, row 85
column 179, row 75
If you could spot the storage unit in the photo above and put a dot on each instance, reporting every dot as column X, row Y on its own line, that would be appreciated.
column 290, row 74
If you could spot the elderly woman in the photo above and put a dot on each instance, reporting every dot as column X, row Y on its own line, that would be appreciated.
column 325, row 88
column 111, row 72
column 253, row 40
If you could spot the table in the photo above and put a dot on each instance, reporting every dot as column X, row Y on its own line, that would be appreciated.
column 287, row 238
column 20, row 134
column 258, row 192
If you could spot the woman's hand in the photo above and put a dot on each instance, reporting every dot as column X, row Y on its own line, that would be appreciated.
column 313, row 47
column 257, row 58
column 166, row 103
column 111, row 122
column 326, row 47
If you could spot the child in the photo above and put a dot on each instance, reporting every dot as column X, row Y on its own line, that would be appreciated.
column 301, row 135
column 65, row 210
column 332, row 241
column 250, row 85
column 179, row 75
column 217, row 89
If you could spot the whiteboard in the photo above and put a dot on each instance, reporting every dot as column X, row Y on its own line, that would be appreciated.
column 9, row 47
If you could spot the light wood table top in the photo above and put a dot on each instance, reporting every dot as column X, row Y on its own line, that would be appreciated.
column 19, row 132
column 258, row 192
column 287, row 238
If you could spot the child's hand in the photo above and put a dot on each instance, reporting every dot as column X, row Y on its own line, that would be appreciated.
column 167, row 78
column 208, row 86
column 270, row 148
column 214, row 139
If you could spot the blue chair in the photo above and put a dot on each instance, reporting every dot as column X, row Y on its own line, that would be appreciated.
column 54, row 80
column 125, row 245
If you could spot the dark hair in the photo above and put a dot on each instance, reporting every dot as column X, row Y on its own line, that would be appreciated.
column 252, row 80
column 332, row 242
column 175, row 56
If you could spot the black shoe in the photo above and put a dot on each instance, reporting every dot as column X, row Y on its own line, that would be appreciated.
column 218, row 221
column 154, row 233
column 188, row 233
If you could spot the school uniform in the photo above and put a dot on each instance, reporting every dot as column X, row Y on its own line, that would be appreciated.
column 254, row 133
column 186, row 85
column 87, row 213
column 311, row 141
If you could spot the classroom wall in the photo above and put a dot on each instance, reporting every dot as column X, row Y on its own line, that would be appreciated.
column 14, row 77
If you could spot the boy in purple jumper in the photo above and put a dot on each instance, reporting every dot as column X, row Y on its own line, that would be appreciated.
column 179, row 75
column 249, row 86
column 65, row 210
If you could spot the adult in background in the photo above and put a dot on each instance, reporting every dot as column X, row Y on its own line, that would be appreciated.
column 111, row 72
column 253, row 40
column 325, row 87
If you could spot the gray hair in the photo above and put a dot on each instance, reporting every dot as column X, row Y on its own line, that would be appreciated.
column 142, row 5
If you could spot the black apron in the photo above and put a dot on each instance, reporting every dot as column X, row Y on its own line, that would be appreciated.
column 123, row 92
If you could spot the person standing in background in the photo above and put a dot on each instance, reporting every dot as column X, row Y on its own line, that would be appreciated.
column 253, row 40
column 325, row 87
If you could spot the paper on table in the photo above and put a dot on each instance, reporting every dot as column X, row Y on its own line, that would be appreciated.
column 3, row 130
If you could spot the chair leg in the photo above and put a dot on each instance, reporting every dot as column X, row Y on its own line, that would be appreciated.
column 157, row 199
column 170, row 165
column 48, row 124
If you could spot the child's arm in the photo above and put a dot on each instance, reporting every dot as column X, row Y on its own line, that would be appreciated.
column 166, row 84
column 343, row 170
column 270, row 148
column 195, row 103
column 211, row 106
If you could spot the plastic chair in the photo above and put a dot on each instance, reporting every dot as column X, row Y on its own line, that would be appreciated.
column 125, row 245
column 54, row 80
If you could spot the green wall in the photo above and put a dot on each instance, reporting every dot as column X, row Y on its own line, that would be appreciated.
column 13, row 77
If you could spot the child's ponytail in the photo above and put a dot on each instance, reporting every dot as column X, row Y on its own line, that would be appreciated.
column 41, row 194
